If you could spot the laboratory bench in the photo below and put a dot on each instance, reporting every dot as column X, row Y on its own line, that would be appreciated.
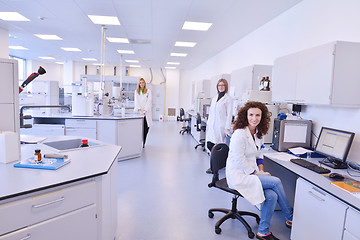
column 110, row 129
column 76, row 201
column 321, row 210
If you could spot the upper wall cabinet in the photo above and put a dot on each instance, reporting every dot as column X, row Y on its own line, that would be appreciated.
column 248, row 78
column 323, row 75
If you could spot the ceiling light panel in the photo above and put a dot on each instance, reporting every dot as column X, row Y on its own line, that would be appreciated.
column 12, row 16
column 18, row 47
column 126, row 51
column 89, row 59
column 135, row 66
column 118, row 40
column 69, row 49
column 185, row 44
column 132, row 61
column 198, row 26
column 59, row 62
column 48, row 37
column 47, row 58
column 170, row 67
column 104, row 20
column 178, row 54
column 173, row 63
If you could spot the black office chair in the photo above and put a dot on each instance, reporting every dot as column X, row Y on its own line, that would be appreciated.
column 219, row 154
column 185, row 120
column 199, row 128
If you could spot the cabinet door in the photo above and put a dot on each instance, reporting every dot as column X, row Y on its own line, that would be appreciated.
column 352, row 223
column 314, row 74
column 284, row 79
column 81, row 132
column 349, row 236
column 106, row 131
column 317, row 215
column 7, row 84
column 241, row 79
column 44, row 130
column 130, row 134
column 79, row 224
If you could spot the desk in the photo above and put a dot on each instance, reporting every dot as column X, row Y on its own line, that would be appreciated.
column 333, row 215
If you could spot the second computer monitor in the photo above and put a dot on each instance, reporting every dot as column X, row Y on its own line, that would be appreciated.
column 335, row 145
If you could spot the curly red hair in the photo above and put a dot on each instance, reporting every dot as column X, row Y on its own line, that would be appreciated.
column 242, row 120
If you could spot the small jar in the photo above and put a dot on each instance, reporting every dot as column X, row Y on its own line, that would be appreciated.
column 84, row 143
column 37, row 155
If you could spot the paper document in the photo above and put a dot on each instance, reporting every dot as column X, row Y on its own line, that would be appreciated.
column 283, row 156
column 299, row 150
column 31, row 139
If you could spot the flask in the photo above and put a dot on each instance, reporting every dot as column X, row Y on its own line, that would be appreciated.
column 266, row 84
column 84, row 143
column 261, row 86
column 37, row 155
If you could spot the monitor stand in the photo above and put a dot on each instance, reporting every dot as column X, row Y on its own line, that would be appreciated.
column 334, row 163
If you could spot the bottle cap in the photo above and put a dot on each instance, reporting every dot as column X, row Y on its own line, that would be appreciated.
column 37, row 150
column 84, row 141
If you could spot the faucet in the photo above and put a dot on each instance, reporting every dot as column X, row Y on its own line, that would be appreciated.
column 22, row 117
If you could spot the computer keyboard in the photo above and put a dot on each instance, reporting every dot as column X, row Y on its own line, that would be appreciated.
column 309, row 165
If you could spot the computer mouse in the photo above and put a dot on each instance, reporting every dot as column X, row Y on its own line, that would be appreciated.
column 336, row 176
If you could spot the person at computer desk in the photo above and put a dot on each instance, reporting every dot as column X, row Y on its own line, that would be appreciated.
column 245, row 167
column 220, row 116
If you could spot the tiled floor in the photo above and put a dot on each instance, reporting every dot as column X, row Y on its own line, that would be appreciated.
column 164, row 194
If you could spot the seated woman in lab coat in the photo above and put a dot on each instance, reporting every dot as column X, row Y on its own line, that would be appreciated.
column 142, row 98
column 245, row 169
column 220, row 116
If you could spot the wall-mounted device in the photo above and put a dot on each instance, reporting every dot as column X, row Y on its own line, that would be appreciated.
column 291, row 133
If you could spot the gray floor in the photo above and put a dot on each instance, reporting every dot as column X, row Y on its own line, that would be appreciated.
column 164, row 194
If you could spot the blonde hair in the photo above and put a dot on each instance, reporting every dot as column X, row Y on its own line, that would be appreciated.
column 223, row 80
column 138, row 86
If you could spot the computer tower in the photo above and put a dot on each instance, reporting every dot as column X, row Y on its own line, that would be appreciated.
column 291, row 133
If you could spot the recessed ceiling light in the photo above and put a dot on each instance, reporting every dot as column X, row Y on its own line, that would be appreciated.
column 12, row 16
column 185, row 44
column 59, row 62
column 126, row 51
column 178, row 54
column 97, row 64
column 48, row 58
column 132, row 61
column 89, row 59
column 173, row 63
column 18, row 48
column 135, row 66
column 170, row 67
column 199, row 26
column 104, row 20
column 117, row 40
column 69, row 49
column 48, row 37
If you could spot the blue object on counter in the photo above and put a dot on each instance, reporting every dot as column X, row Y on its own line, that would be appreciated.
column 281, row 116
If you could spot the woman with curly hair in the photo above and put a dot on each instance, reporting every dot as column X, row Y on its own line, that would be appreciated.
column 245, row 167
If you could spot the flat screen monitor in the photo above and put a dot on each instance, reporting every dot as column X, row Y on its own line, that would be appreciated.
column 335, row 145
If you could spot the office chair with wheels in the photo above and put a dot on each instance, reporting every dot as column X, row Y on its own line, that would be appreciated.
column 219, row 154
column 185, row 120
column 199, row 128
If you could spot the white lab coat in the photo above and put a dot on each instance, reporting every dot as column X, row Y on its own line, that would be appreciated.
column 241, row 163
column 220, row 116
column 143, row 103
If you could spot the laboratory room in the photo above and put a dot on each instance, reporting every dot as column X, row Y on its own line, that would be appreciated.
column 182, row 119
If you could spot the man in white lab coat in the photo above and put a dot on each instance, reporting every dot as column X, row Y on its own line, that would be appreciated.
column 220, row 116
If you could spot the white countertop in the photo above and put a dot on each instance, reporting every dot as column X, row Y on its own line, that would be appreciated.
column 85, row 163
column 69, row 116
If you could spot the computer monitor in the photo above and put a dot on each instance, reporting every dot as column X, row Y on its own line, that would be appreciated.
column 335, row 145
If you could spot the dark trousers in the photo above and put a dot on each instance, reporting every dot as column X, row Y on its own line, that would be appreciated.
column 146, row 130
column 210, row 145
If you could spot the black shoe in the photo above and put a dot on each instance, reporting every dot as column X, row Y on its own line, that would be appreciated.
column 288, row 223
column 209, row 171
column 268, row 237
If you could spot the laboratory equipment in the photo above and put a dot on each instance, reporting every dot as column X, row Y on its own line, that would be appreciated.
column 41, row 71
column 82, row 100
column 335, row 145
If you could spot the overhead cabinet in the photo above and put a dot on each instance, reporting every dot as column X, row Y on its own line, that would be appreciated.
column 323, row 75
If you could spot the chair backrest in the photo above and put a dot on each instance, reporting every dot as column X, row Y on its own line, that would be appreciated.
column 198, row 122
column 219, row 154
column 182, row 114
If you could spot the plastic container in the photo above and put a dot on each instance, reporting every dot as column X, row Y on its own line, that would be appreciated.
column 84, row 143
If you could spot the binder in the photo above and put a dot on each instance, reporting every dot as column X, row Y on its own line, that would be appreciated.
column 350, row 187
column 46, row 163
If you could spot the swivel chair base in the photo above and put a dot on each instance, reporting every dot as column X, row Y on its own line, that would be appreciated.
column 233, row 213
column 201, row 144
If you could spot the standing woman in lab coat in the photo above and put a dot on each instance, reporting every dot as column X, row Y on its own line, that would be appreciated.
column 143, row 105
column 220, row 116
column 245, row 167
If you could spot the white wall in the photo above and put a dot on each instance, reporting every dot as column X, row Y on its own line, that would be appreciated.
column 4, row 43
column 308, row 24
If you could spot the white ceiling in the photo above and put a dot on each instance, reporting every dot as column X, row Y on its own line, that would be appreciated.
column 156, row 21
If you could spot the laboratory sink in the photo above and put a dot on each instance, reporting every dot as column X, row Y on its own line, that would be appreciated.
column 67, row 145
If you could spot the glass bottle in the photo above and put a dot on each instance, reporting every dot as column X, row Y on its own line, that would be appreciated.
column 37, row 155
column 261, row 86
column 266, row 84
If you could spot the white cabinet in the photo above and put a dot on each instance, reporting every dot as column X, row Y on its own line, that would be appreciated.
column 44, row 130
column 81, row 128
column 352, row 231
column 130, row 134
column 106, row 131
column 329, row 220
column 248, row 78
column 325, row 75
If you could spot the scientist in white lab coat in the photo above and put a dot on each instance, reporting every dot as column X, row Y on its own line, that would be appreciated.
column 143, row 102
column 220, row 116
column 245, row 167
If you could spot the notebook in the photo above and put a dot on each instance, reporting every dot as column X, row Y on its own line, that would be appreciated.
column 46, row 163
column 350, row 187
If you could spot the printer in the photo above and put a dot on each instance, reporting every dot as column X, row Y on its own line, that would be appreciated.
column 291, row 133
